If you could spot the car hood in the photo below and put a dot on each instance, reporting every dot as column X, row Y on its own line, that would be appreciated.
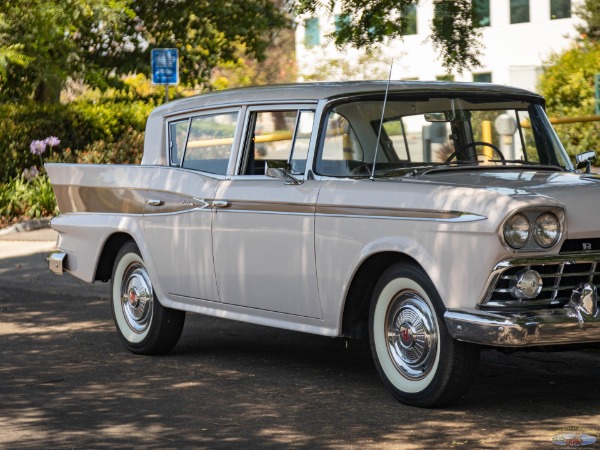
column 578, row 194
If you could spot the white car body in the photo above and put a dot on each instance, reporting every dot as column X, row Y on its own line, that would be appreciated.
column 304, row 252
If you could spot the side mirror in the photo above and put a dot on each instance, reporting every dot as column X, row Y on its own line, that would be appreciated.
column 585, row 160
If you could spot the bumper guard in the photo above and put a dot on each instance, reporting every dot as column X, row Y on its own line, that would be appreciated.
column 57, row 262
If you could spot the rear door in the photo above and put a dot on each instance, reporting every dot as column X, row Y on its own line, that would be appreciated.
column 178, row 212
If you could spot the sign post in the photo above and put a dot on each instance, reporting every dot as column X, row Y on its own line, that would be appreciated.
column 165, row 68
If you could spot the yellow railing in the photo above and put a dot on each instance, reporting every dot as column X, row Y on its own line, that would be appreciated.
column 273, row 137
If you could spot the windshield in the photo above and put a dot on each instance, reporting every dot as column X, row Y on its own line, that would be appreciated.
column 439, row 132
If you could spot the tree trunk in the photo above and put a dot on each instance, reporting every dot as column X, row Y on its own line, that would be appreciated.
column 47, row 91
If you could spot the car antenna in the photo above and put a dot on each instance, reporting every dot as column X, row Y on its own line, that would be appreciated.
column 387, row 90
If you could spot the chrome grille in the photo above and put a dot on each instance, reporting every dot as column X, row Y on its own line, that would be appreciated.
column 559, row 279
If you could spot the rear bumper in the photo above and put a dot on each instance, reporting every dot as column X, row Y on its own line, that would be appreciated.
column 577, row 322
column 57, row 263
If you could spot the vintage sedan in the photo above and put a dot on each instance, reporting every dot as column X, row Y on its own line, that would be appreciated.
column 433, row 219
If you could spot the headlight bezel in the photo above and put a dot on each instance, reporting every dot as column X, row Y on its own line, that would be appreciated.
column 533, row 214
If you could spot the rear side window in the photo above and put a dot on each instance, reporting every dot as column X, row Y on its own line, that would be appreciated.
column 203, row 143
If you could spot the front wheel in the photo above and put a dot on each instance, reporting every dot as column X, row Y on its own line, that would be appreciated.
column 417, row 359
column 144, row 325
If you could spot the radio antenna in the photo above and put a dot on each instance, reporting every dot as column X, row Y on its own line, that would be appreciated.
column 387, row 90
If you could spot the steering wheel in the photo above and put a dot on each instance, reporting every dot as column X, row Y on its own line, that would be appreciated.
column 473, row 144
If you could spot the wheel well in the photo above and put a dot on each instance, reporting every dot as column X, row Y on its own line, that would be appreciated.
column 356, row 310
column 107, row 259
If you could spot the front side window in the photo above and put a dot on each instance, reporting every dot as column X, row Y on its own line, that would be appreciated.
column 560, row 9
column 277, row 139
column 421, row 134
column 519, row 11
column 209, row 143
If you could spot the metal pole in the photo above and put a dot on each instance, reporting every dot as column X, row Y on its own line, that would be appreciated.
column 166, row 93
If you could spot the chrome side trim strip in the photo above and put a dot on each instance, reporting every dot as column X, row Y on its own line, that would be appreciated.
column 350, row 211
column 397, row 213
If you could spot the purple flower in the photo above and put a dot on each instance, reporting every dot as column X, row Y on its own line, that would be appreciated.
column 52, row 141
column 37, row 147
column 31, row 173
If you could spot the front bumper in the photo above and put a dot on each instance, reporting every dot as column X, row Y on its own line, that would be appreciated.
column 577, row 322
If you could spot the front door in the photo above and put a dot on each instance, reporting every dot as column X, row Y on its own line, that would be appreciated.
column 263, row 230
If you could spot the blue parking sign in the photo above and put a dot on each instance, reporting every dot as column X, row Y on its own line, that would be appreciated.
column 165, row 66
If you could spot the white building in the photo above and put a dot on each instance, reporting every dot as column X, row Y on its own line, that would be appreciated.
column 518, row 36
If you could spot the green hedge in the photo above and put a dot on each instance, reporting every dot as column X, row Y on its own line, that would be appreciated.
column 78, row 125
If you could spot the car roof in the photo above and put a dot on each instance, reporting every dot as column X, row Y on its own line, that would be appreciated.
column 314, row 92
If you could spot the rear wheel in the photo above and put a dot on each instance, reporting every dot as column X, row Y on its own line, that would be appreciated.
column 417, row 359
column 144, row 325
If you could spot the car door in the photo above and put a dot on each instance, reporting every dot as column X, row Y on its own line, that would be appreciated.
column 263, row 230
column 179, row 209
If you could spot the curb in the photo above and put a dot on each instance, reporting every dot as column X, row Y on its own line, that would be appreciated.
column 29, row 225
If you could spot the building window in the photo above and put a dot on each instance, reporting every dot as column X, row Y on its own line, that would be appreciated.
column 481, row 13
column 311, row 32
column 560, row 9
column 482, row 77
column 519, row 11
column 446, row 77
column 409, row 13
column 340, row 20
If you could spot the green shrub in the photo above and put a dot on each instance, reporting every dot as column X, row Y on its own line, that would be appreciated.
column 128, row 149
column 38, row 198
column 77, row 125
column 33, row 198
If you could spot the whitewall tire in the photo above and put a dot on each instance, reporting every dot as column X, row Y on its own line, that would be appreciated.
column 418, row 361
column 143, row 324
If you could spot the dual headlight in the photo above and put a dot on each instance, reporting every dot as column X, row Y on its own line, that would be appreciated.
column 523, row 227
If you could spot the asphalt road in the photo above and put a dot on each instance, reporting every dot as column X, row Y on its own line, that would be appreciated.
column 67, row 382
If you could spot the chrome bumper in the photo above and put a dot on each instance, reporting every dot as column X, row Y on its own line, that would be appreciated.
column 577, row 322
column 57, row 262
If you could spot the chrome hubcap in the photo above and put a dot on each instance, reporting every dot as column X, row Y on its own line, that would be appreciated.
column 137, row 298
column 411, row 335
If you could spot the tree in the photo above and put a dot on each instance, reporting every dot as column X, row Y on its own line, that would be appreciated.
column 49, row 35
column 568, row 86
column 368, row 23
column 97, row 41
column 589, row 11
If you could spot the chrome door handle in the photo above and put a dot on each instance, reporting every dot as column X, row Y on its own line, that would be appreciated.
column 153, row 202
column 220, row 204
